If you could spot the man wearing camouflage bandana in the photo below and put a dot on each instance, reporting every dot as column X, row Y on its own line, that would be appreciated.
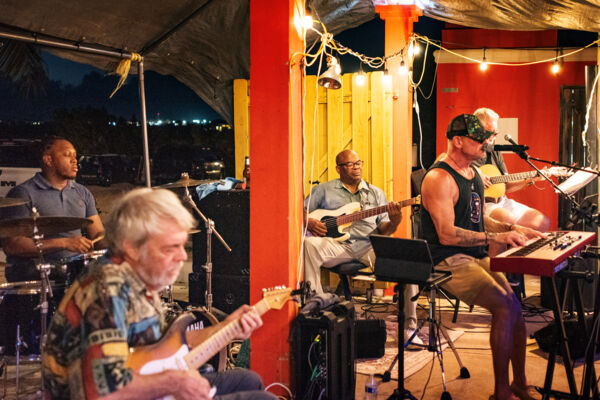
column 458, row 231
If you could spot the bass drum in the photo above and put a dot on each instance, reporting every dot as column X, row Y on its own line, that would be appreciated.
column 203, row 319
column 19, row 307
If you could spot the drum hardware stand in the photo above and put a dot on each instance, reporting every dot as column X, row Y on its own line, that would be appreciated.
column 210, row 229
column 44, row 269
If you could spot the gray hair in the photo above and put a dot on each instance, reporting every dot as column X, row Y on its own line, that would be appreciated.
column 139, row 214
column 485, row 114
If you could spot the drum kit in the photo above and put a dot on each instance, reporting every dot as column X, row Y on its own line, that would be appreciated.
column 26, row 307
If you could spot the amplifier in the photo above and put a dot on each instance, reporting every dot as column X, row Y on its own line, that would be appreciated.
column 323, row 350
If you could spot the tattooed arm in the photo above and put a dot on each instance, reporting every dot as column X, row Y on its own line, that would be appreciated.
column 439, row 194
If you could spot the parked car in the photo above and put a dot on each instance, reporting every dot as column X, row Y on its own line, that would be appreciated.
column 106, row 169
column 199, row 162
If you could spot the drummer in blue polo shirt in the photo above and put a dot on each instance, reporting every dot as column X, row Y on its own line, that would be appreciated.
column 54, row 193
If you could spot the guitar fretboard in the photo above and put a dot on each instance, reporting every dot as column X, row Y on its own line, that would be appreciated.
column 211, row 346
column 513, row 177
column 344, row 219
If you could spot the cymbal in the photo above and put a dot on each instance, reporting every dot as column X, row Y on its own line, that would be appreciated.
column 46, row 225
column 185, row 182
column 11, row 202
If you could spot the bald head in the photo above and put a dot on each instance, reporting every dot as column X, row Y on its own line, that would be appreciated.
column 345, row 155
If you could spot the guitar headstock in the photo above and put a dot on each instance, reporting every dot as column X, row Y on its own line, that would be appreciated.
column 276, row 297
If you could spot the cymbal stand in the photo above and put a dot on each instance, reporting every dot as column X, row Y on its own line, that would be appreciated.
column 44, row 269
column 210, row 229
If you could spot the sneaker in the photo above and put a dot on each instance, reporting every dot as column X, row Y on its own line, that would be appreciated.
column 416, row 340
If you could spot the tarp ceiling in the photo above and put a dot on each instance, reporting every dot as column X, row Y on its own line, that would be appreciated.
column 205, row 43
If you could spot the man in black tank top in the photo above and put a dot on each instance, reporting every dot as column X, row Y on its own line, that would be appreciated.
column 454, row 224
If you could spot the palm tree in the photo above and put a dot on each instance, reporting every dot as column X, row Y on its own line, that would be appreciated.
column 22, row 63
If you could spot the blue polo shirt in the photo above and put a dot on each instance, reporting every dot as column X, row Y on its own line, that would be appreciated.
column 333, row 195
column 74, row 200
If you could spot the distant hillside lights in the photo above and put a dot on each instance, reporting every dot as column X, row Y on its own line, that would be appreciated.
column 219, row 127
column 159, row 122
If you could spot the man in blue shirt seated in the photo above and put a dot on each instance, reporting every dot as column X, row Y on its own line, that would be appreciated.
column 327, row 252
column 54, row 193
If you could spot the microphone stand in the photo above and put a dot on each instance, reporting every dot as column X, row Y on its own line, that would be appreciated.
column 574, row 204
column 210, row 229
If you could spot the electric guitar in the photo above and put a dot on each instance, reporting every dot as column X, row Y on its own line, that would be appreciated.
column 498, row 188
column 337, row 221
column 173, row 352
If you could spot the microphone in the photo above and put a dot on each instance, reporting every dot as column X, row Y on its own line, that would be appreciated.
column 509, row 139
column 505, row 147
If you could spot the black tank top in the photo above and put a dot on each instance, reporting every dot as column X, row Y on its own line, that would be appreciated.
column 468, row 214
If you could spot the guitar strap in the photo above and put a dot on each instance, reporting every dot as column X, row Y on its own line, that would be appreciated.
column 364, row 197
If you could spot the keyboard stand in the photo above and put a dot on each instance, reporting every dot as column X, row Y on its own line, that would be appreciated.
column 561, row 342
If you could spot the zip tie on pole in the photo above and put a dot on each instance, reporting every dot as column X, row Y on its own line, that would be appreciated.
column 123, row 70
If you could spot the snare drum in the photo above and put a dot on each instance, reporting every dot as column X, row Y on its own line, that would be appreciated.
column 72, row 267
column 18, row 303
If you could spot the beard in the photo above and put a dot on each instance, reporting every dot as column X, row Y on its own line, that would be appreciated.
column 154, row 277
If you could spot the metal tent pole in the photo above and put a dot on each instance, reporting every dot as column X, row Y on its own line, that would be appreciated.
column 144, row 122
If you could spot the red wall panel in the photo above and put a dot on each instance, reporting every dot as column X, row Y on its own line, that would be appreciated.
column 529, row 93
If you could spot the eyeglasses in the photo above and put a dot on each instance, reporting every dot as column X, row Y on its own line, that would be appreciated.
column 351, row 164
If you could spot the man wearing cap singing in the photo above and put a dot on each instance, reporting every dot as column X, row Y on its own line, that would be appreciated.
column 505, row 209
column 458, row 232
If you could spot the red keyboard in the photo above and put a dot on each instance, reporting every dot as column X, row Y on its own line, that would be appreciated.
column 543, row 257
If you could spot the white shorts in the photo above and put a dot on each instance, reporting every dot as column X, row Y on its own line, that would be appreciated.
column 514, row 207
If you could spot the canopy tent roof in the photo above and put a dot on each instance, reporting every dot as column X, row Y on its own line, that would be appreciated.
column 205, row 43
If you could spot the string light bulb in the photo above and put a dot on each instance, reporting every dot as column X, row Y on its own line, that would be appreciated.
column 360, row 77
column 416, row 48
column 387, row 78
column 402, row 69
column 555, row 67
column 483, row 65
column 307, row 22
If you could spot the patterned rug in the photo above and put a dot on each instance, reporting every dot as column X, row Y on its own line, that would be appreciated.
column 415, row 357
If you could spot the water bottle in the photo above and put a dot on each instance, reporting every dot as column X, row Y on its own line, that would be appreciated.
column 371, row 388
column 246, row 172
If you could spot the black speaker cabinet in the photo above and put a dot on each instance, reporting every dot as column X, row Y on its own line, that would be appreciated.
column 324, row 353
column 229, row 291
column 230, row 211
column 370, row 337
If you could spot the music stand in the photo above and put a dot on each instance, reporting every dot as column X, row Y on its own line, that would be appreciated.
column 403, row 261
column 407, row 261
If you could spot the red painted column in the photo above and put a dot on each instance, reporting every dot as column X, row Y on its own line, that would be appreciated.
column 398, row 28
column 276, row 168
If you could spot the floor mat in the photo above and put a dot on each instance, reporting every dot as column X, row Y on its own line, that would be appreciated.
column 414, row 358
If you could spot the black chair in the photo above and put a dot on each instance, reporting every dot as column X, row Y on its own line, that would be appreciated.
column 345, row 269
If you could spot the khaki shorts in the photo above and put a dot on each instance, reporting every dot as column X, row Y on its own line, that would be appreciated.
column 470, row 276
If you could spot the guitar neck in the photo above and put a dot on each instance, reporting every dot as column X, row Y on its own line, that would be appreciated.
column 211, row 346
column 513, row 177
column 344, row 219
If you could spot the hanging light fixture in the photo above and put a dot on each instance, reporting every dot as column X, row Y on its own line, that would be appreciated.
column 483, row 65
column 330, row 79
column 555, row 69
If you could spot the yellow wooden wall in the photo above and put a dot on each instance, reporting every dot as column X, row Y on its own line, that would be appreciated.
column 353, row 117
